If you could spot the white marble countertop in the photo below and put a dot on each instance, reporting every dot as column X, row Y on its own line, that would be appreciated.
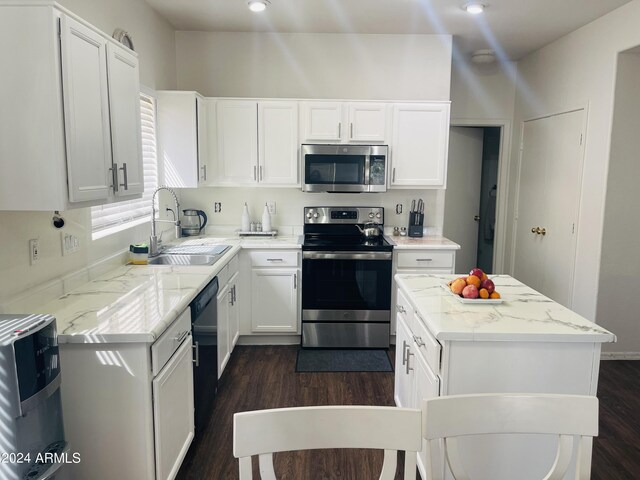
column 136, row 303
column 431, row 242
column 524, row 315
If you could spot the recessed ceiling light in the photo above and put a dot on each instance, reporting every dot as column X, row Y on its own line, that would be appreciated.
column 483, row 56
column 474, row 8
column 258, row 5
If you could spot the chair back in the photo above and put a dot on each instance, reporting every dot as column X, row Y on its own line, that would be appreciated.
column 574, row 418
column 265, row 432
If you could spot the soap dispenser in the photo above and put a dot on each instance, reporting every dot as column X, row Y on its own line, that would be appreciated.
column 266, row 219
column 245, row 220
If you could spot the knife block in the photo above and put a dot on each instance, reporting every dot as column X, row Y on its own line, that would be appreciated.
column 416, row 221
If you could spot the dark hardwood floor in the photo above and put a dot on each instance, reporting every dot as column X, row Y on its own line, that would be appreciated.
column 264, row 377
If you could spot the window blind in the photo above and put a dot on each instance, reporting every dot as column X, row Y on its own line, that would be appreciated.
column 120, row 215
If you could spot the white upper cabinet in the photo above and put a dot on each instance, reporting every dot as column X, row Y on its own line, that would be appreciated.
column 419, row 145
column 183, row 138
column 70, row 122
column 340, row 122
column 257, row 142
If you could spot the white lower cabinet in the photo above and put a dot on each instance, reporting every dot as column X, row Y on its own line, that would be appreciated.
column 129, row 406
column 404, row 378
column 234, row 311
column 274, row 302
column 224, row 349
column 173, row 420
column 228, row 312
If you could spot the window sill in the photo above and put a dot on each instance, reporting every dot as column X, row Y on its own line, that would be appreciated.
column 118, row 228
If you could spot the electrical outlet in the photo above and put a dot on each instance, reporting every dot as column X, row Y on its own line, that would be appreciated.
column 34, row 251
column 271, row 206
column 217, row 207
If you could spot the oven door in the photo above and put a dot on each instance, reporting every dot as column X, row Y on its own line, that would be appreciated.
column 346, row 286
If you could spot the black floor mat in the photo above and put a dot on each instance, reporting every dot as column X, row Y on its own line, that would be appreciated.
column 343, row 361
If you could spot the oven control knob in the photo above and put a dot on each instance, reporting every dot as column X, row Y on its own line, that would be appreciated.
column 315, row 214
column 371, row 215
column 308, row 214
column 378, row 215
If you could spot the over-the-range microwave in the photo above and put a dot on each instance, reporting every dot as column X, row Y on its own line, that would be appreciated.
column 344, row 168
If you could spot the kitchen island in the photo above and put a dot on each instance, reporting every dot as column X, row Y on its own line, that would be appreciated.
column 527, row 344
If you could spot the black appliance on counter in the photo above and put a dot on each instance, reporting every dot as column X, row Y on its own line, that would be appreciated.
column 204, row 321
column 346, row 279
column 32, row 439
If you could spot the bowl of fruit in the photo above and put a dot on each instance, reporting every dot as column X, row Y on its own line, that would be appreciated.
column 474, row 288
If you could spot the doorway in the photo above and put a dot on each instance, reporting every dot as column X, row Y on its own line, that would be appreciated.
column 471, row 199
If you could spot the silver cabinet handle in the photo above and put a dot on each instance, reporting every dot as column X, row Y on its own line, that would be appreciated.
column 424, row 259
column 126, row 178
column 230, row 297
column 419, row 341
column 114, row 176
column 295, row 281
column 180, row 336
column 405, row 348
column 260, row 172
column 233, row 296
column 409, row 355
column 196, row 347
column 275, row 260
column 351, row 130
column 339, row 129
column 393, row 174
column 401, row 309
column 204, row 172
column 255, row 176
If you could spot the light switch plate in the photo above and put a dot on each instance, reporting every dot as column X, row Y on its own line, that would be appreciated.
column 70, row 243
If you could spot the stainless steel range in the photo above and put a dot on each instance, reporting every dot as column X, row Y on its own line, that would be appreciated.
column 346, row 278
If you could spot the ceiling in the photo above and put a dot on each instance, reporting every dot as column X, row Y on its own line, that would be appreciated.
column 515, row 27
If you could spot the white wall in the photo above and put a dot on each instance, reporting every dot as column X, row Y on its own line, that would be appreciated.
column 576, row 70
column 154, row 41
column 306, row 65
column 618, row 302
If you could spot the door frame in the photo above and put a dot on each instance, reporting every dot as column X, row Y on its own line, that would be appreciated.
column 580, row 180
column 504, row 166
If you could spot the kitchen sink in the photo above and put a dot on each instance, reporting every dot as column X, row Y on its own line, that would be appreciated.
column 174, row 259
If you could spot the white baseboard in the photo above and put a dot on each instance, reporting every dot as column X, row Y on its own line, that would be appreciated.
column 269, row 340
column 620, row 356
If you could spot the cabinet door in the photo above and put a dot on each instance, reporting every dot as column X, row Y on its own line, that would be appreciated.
column 420, row 145
column 274, row 300
column 237, row 137
column 173, row 419
column 427, row 385
column 403, row 387
column 202, row 140
column 224, row 351
column 124, row 109
column 86, row 111
column 322, row 121
column 367, row 122
column 234, row 313
column 278, row 143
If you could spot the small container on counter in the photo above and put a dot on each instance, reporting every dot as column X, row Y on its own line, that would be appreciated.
column 139, row 254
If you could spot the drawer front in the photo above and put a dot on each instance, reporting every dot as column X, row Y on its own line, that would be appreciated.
column 426, row 343
column 425, row 259
column 274, row 258
column 170, row 341
column 233, row 266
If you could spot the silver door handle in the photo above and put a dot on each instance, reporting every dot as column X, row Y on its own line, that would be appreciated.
column 181, row 336
column 204, row 172
column 126, row 178
column 339, row 129
column 196, row 347
column 401, row 309
column 295, row 281
column 409, row 355
column 275, row 260
column 233, row 289
column 424, row 259
column 405, row 348
column 260, row 172
column 351, row 130
column 476, row 218
column 230, row 297
column 255, row 177
column 114, row 176
column 419, row 341
column 393, row 174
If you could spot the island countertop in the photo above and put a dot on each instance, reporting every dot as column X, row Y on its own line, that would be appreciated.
column 524, row 315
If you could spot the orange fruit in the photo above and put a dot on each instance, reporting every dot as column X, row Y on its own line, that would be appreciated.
column 494, row 295
column 483, row 293
column 484, row 277
column 473, row 280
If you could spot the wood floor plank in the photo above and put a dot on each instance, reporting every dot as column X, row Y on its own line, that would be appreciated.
column 265, row 377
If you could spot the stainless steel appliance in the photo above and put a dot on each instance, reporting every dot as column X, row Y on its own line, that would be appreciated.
column 345, row 168
column 193, row 221
column 346, row 279
column 204, row 321
column 32, row 441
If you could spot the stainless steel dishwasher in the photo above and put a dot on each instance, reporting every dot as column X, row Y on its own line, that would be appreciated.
column 204, row 321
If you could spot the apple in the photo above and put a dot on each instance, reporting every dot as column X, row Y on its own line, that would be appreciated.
column 476, row 272
column 488, row 284
column 470, row 291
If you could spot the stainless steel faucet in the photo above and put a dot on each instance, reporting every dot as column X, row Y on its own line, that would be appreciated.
column 153, row 240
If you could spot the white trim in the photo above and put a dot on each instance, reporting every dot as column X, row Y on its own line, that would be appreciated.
column 504, row 168
column 620, row 356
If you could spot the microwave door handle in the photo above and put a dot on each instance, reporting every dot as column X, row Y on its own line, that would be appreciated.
column 367, row 168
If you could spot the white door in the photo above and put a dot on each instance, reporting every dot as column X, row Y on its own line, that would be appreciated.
column 274, row 302
column 278, row 143
column 86, row 112
column 202, row 129
column 403, row 386
column 234, row 313
column 419, row 146
column 224, row 300
column 237, row 137
column 322, row 121
column 173, row 417
column 548, row 201
column 367, row 122
column 462, row 197
column 124, row 108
